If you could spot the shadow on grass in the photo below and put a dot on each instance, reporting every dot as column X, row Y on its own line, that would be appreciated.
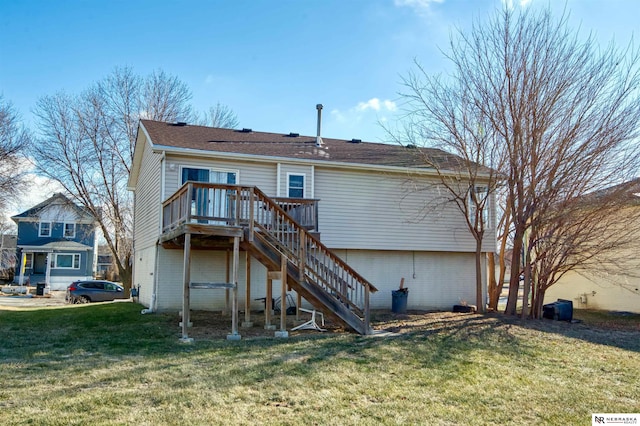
column 83, row 340
column 620, row 333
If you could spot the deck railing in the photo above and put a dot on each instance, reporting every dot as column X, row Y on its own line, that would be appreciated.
column 220, row 204
column 285, row 224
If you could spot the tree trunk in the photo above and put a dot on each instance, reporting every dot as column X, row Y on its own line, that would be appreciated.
column 479, row 298
column 494, row 286
column 514, row 281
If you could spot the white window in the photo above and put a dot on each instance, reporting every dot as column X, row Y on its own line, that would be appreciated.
column 28, row 262
column 66, row 261
column 295, row 185
column 44, row 229
column 69, row 230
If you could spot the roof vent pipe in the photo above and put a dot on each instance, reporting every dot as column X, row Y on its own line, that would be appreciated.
column 318, row 138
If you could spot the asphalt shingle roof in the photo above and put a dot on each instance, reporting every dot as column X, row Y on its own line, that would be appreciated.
column 287, row 146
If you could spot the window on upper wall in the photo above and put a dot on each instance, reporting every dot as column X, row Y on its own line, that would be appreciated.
column 66, row 261
column 295, row 186
column 69, row 230
column 44, row 229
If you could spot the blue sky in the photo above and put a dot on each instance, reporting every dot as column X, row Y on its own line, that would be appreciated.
column 270, row 61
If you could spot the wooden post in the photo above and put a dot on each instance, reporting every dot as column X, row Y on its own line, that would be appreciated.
column 367, row 315
column 234, row 301
column 268, row 302
column 247, row 295
column 186, row 277
column 283, row 298
column 298, row 304
column 228, row 280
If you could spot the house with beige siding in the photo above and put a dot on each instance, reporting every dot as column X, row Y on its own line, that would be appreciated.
column 221, row 215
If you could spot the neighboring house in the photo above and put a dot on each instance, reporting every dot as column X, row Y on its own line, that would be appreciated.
column 219, row 190
column 613, row 288
column 56, row 243
column 7, row 257
column 591, row 290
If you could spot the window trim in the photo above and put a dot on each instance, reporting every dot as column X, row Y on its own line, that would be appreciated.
column 304, row 184
column 64, row 230
column 54, row 261
column 40, row 234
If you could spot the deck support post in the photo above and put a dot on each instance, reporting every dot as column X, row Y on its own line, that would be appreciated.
column 247, row 294
column 186, row 277
column 283, row 333
column 234, row 300
column 227, row 277
column 268, row 304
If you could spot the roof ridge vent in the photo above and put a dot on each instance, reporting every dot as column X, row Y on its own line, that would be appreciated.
column 245, row 130
column 293, row 135
column 356, row 140
column 180, row 123
column 410, row 146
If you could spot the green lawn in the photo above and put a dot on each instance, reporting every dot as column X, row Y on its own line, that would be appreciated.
column 108, row 364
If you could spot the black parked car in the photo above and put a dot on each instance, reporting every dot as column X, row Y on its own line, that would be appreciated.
column 94, row 291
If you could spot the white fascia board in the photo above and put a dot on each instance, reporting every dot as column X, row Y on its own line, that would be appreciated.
column 302, row 161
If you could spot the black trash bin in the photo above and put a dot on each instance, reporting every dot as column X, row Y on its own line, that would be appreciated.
column 40, row 289
column 560, row 310
column 399, row 301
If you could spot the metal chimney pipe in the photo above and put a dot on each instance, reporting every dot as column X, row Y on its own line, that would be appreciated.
column 318, row 138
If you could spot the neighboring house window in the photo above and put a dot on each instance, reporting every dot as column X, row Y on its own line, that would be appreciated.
column 69, row 230
column 479, row 197
column 295, row 186
column 45, row 229
column 29, row 261
column 66, row 261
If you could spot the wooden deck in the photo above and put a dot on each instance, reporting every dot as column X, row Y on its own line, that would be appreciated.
column 281, row 233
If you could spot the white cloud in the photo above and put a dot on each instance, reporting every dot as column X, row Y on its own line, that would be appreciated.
column 360, row 119
column 521, row 3
column 420, row 6
column 376, row 105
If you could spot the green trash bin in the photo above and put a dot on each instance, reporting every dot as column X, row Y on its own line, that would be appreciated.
column 399, row 301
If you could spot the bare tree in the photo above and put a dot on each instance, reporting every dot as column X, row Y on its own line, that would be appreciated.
column 86, row 144
column 13, row 140
column 165, row 98
column 561, row 117
column 219, row 116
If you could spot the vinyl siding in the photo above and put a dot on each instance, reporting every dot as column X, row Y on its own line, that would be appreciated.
column 145, row 273
column 147, row 200
column 207, row 266
column 365, row 210
column 435, row 280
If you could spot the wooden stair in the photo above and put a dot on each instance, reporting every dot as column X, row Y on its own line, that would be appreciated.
column 313, row 271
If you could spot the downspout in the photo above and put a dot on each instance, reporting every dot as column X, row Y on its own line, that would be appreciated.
column 154, row 299
column 153, row 303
